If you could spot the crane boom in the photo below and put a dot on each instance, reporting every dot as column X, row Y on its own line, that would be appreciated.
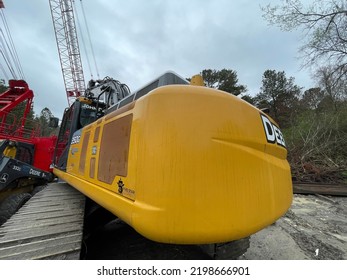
column 68, row 48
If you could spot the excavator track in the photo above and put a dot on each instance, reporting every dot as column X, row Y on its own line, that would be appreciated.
column 48, row 226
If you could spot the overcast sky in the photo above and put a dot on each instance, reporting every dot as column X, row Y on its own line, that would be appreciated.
column 135, row 41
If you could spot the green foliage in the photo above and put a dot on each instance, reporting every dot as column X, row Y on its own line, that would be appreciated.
column 3, row 87
column 317, row 145
column 279, row 94
column 224, row 79
column 249, row 99
column 43, row 122
column 314, row 123
column 312, row 99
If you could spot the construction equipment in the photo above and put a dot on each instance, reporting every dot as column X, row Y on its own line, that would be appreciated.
column 68, row 48
column 40, row 152
column 25, row 156
column 180, row 163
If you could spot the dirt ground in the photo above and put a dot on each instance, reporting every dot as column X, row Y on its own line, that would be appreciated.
column 314, row 228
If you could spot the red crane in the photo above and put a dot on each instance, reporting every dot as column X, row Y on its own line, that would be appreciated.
column 68, row 48
column 17, row 93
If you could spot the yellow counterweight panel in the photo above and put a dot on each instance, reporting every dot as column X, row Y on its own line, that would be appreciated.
column 199, row 168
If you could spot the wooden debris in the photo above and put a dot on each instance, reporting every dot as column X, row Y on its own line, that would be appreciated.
column 322, row 189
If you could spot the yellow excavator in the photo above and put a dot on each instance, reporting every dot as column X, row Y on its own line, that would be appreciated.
column 180, row 163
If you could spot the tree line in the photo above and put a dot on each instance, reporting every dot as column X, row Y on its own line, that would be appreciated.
column 314, row 121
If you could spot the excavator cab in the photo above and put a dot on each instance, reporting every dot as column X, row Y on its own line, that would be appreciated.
column 21, row 151
column 10, row 150
column 81, row 113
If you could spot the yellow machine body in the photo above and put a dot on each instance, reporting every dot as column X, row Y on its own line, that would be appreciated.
column 184, row 164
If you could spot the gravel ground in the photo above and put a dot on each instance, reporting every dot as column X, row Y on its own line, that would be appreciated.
column 315, row 227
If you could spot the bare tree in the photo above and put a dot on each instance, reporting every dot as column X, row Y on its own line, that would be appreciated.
column 324, row 24
column 333, row 84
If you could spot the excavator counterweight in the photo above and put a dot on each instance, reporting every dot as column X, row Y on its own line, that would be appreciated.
column 180, row 163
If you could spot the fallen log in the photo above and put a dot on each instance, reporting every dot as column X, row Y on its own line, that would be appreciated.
column 323, row 189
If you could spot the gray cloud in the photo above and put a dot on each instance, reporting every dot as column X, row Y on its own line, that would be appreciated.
column 135, row 41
